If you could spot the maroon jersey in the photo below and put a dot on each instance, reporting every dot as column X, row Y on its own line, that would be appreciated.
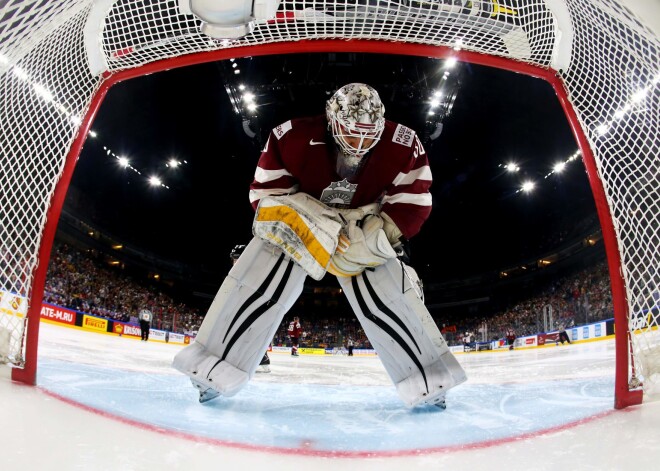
column 295, row 329
column 300, row 156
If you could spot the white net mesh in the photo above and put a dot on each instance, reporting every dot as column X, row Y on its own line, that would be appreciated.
column 53, row 54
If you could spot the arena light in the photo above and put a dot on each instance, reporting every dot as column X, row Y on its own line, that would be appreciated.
column 622, row 112
column 559, row 167
column 43, row 92
column 20, row 73
column 124, row 162
column 528, row 186
column 639, row 96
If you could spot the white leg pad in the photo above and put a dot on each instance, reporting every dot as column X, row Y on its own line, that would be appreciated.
column 207, row 369
column 242, row 320
column 404, row 335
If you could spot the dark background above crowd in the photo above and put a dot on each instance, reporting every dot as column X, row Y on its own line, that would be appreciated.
column 484, row 119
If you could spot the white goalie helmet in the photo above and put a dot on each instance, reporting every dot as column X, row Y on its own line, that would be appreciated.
column 356, row 112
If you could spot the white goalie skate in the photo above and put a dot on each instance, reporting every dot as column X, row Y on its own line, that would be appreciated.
column 205, row 393
column 438, row 401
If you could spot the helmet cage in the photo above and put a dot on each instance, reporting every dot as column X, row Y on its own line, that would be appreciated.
column 355, row 111
column 360, row 131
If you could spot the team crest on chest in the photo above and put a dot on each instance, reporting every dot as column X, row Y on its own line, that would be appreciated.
column 339, row 194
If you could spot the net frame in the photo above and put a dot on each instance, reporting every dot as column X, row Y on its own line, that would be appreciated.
column 59, row 58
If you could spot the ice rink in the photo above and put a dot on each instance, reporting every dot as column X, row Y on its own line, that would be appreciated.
column 110, row 403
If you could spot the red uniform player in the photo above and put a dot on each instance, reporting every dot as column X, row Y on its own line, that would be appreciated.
column 295, row 331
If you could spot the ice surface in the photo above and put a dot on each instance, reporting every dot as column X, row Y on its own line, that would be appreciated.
column 113, row 403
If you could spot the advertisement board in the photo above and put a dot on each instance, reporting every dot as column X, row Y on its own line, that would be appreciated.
column 13, row 304
column 94, row 323
column 58, row 314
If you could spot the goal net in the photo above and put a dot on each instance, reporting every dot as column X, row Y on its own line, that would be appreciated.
column 59, row 57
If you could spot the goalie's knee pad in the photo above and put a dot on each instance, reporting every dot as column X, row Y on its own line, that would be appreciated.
column 402, row 332
column 243, row 318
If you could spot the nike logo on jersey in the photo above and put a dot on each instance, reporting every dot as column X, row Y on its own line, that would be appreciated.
column 312, row 142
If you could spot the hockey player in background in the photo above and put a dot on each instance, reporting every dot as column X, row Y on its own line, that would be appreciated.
column 144, row 317
column 295, row 330
column 510, row 337
column 338, row 193
column 563, row 335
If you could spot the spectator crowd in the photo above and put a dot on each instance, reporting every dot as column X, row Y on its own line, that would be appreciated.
column 581, row 298
column 77, row 281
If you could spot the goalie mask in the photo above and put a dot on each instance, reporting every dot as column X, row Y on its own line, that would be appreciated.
column 355, row 114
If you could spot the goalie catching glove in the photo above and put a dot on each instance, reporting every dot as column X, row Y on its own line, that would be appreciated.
column 361, row 245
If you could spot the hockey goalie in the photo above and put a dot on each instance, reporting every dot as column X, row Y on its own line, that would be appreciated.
column 339, row 193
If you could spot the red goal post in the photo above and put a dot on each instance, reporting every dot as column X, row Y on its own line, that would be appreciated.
column 58, row 58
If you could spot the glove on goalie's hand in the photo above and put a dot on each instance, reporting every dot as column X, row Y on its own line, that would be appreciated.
column 361, row 247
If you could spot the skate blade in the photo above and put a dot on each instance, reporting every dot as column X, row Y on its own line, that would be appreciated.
column 438, row 402
column 441, row 404
column 205, row 393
